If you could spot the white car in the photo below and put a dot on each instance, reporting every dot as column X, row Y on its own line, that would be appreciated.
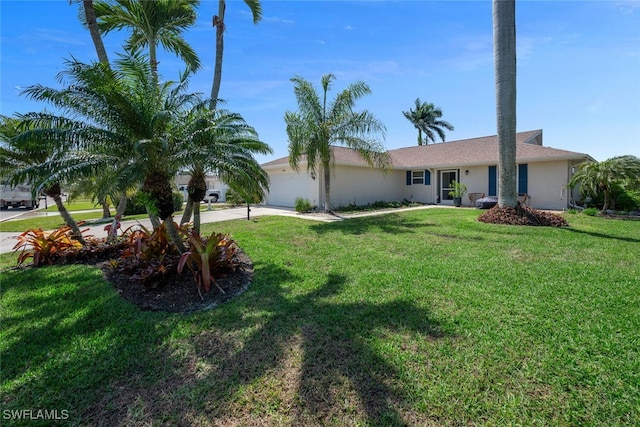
column 212, row 195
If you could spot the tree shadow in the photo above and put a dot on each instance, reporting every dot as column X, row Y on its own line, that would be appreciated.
column 81, row 335
column 336, row 359
column 108, row 363
column 602, row 235
column 387, row 223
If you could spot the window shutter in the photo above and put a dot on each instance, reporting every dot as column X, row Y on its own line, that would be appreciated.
column 493, row 180
column 427, row 177
column 523, row 172
column 408, row 177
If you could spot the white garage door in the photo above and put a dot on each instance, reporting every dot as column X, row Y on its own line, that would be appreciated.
column 284, row 188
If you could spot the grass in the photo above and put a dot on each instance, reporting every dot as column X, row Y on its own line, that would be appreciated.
column 54, row 221
column 417, row 318
column 80, row 204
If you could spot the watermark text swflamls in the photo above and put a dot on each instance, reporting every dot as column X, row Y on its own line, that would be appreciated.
column 35, row 414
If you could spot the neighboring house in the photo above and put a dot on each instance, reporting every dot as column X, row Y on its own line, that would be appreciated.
column 213, row 183
column 424, row 173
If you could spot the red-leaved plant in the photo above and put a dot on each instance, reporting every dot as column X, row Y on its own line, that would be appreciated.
column 43, row 246
column 206, row 257
column 148, row 255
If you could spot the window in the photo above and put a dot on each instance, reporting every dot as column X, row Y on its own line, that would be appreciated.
column 523, row 178
column 419, row 177
column 493, row 180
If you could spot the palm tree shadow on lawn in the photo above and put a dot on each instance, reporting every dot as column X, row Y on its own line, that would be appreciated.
column 43, row 365
column 309, row 358
column 387, row 223
column 318, row 351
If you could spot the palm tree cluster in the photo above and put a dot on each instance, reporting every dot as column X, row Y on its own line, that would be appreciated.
column 120, row 128
column 426, row 118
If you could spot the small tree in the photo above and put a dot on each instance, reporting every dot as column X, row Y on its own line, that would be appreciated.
column 319, row 124
column 426, row 118
column 602, row 177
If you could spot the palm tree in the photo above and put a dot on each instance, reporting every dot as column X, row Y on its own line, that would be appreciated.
column 504, row 51
column 218, row 23
column 21, row 159
column 317, row 126
column 426, row 118
column 88, row 19
column 222, row 142
column 151, row 23
column 116, row 119
column 595, row 177
column 142, row 132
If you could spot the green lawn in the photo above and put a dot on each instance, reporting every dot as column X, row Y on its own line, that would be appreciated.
column 418, row 318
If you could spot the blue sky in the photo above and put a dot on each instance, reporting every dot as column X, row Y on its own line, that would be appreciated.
column 578, row 63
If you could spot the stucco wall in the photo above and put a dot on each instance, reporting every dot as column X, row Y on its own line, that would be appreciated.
column 545, row 181
column 362, row 185
column 419, row 193
column 546, row 184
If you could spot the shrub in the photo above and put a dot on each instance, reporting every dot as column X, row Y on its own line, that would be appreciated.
column 178, row 201
column 590, row 211
column 377, row 205
column 137, row 204
column 43, row 246
column 522, row 215
column 233, row 198
column 209, row 256
column 302, row 205
column 148, row 256
column 626, row 201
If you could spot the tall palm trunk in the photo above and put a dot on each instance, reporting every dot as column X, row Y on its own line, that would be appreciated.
column 153, row 59
column 90, row 16
column 174, row 234
column 327, row 186
column 106, row 212
column 122, row 204
column 188, row 211
column 158, row 185
column 196, row 217
column 196, row 190
column 153, row 218
column 218, row 23
column 504, row 45
column 607, row 197
column 54, row 192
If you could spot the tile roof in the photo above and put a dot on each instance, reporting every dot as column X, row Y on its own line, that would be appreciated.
column 467, row 152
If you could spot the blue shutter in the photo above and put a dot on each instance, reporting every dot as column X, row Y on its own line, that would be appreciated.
column 427, row 177
column 523, row 178
column 408, row 177
column 493, row 180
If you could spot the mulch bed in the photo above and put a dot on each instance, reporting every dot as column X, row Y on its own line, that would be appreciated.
column 178, row 293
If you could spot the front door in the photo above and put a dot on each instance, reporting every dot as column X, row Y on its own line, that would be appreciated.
column 446, row 178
